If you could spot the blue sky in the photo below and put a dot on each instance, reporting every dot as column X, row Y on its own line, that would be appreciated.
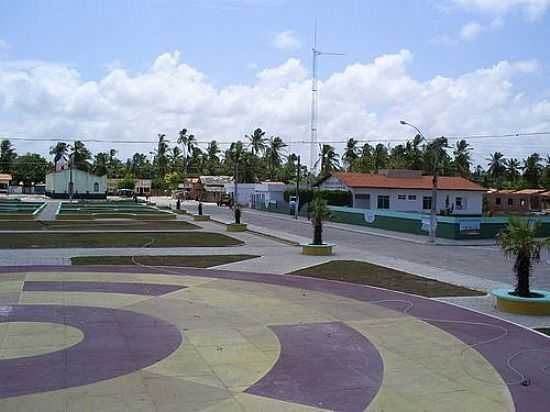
column 230, row 41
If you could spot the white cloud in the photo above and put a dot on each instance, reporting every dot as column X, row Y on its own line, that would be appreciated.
column 286, row 40
column 533, row 9
column 3, row 45
column 471, row 30
column 364, row 100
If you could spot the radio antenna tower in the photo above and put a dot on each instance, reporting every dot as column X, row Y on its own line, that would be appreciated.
column 315, row 100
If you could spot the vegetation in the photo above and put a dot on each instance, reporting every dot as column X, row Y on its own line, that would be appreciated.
column 260, row 157
column 518, row 241
column 107, row 226
column 379, row 276
column 102, row 240
column 333, row 197
column 199, row 261
column 319, row 212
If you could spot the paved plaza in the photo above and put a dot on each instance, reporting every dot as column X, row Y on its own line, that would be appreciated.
column 146, row 339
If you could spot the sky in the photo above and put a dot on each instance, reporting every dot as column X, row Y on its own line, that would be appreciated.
column 128, row 70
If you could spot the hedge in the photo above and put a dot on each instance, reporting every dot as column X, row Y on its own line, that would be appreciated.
column 333, row 197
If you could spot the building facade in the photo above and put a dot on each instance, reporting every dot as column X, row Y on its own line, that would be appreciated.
column 5, row 182
column 81, row 184
column 522, row 201
column 408, row 191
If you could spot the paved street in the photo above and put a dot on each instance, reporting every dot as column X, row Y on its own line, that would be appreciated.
column 486, row 262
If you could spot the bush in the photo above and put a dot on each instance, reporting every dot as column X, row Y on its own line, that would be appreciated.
column 332, row 197
column 127, row 183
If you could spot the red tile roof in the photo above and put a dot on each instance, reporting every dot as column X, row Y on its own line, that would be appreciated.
column 364, row 180
column 5, row 176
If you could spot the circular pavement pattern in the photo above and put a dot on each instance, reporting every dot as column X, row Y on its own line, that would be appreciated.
column 134, row 338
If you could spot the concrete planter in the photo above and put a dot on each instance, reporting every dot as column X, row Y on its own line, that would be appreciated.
column 317, row 250
column 180, row 212
column 201, row 218
column 523, row 306
column 235, row 227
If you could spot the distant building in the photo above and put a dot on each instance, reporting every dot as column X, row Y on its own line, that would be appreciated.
column 407, row 191
column 518, row 201
column 264, row 193
column 81, row 184
column 211, row 188
column 5, row 182
column 142, row 186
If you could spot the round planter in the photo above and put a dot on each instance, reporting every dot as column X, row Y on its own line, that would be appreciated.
column 235, row 227
column 317, row 250
column 524, row 306
column 201, row 218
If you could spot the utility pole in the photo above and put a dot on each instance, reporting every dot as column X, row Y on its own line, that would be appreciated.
column 235, row 196
column 436, row 145
column 297, row 190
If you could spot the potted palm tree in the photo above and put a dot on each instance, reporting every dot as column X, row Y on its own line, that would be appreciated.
column 236, row 226
column 319, row 212
column 518, row 241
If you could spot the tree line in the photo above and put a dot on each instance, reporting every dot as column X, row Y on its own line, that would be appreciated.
column 258, row 157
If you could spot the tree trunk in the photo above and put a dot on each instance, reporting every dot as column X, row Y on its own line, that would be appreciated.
column 318, row 233
column 523, row 271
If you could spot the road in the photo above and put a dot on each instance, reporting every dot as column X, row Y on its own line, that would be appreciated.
column 486, row 262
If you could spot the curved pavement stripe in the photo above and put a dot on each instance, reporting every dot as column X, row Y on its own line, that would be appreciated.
column 326, row 365
column 116, row 342
column 147, row 289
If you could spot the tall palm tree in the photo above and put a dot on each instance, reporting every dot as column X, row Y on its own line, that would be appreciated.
column 188, row 141
column 497, row 166
column 518, row 240
column 532, row 169
column 161, row 158
column 212, row 155
column 380, row 157
column 80, row 155
column 329, row 160
column 414, row 153
column 257, row 142
column 174, row 156
column 59, row 150
column 513, row 167
column 274, row 154
column 462, row 158
column 350, row 153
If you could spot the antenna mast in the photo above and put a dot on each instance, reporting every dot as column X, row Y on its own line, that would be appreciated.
column 315, row 100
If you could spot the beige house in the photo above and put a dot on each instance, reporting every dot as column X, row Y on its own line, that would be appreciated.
column 5, row 181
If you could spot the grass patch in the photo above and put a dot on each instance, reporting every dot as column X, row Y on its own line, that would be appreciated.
column 19, row 216
column 373, row 275
column 185, row 261
column 129, row 216
column 102, row 240
column 546, row 331
column 112, row 226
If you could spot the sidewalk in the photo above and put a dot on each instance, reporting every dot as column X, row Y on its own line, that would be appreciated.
column 49, row 212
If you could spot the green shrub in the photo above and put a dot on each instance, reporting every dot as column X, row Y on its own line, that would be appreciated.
column 332, row 197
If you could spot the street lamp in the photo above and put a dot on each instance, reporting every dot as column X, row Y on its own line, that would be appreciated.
column 433, row 214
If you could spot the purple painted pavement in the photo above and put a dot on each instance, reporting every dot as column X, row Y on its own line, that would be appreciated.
column 147, row 289
column 324, row 365
column 116, row 342
column 532, row 398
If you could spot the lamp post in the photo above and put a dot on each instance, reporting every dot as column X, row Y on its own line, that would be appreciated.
column 433, row 214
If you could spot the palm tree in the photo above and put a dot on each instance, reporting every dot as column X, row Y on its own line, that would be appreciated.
column 212, row 158
column 350, row 153
column 58, row 151
column 512, row 169
column 101, row 164
column 414, row 153
column 462, row 158
column 497, row 166
column 380, row 157
column 532, row 169
column 80, row 155
column 188, row 141
column 257, row 142
column 319, row 212
column 274, row 154
column 174, row 156
column 329, row 160
column 161, row 158
column 518, row 240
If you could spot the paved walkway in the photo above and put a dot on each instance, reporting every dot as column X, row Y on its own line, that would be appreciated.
column 129, row 338
column 49, row 212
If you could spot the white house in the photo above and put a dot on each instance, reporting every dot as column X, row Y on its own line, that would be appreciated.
column 269, row 193
column 5, row 182
column 83, row 185
column 244, row 192
column 407, row 191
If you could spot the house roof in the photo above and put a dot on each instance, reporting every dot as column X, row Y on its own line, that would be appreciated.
column 529, row 191
column 365, row 180
column 5, row 176
column 215, row 180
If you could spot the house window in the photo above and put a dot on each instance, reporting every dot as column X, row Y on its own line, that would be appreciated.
column 412, row 197
column 402, row 197
column 510, row 202
column 427, row 202
column 96, row 187
column 383, row 202
column 498, row 201
column 459, row 203
column 522, row 202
